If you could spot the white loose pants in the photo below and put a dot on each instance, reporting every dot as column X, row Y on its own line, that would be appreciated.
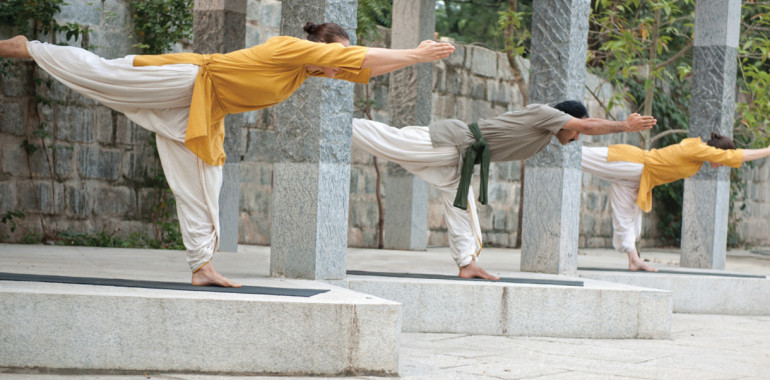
column 158, row 99
column 624, row 178
column 412, row 149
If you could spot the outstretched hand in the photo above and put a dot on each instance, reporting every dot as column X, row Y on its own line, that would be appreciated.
column 430, row 51
column 637, row 122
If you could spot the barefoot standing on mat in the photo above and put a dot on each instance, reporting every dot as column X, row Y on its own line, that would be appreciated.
column 184, row 98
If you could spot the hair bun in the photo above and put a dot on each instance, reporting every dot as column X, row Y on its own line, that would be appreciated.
column 715, row 135
column 310, row 27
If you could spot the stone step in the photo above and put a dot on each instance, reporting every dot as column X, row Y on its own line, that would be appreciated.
column 592, row 309
column 701, row 291
column 60, row 327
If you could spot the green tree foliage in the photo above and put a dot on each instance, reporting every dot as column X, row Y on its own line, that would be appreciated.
column 159, row 24
column 754, row 75
column 30, row 17
column 641, row 41
column 515, row 23
column 35, row 19
column 372, row 13
column 471, row 21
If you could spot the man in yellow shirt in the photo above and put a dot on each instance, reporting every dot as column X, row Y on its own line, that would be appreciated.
column 184, row 98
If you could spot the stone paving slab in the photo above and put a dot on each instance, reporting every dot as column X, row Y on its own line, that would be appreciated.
column 701, row 347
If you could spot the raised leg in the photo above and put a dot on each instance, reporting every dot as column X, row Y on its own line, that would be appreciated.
column 15, row 47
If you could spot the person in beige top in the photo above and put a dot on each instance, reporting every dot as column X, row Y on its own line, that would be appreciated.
column 436, row 154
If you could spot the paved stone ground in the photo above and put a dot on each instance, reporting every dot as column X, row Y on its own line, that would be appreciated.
column 702, row 346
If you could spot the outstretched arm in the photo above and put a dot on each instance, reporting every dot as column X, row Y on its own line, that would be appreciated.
column 383, row 61
column 593, row 126
column 755, row 154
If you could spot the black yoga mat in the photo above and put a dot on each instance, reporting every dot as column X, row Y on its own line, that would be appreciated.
column 678, row 272
column 262, row 290
column 455, row 278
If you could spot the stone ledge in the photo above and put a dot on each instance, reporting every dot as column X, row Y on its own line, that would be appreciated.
column 101, row 328
column 703, row 292
column 596, row 310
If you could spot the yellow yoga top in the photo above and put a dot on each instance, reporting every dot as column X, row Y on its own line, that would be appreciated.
column 671, row 163
column 251, row 79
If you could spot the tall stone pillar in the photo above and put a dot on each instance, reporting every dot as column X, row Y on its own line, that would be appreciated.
column 311, row 170
column 409, row 103
column 712, row 105
column 219, row 26
column 552, row 182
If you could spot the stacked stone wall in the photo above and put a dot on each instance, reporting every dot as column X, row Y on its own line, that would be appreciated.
column 103, row 164
column 752, row 209
column 98, row 173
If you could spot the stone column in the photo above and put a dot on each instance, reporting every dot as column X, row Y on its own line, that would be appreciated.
column 312, row 164
column 220, row 27
column 707, row 194
column 551, row 210
column 409, row 103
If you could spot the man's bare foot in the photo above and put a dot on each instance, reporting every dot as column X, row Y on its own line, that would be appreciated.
column 640, row 265
column 15, row 47
column 635, row 263
column 207, row 276
column 473, row 270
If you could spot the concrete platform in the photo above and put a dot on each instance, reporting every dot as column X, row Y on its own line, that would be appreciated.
column 701, row 346
column 61, row 327
column 596, row 309
column 698, row 291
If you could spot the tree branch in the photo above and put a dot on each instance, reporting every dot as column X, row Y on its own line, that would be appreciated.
column 666, row 133
column 601, row 104
column 675, row 56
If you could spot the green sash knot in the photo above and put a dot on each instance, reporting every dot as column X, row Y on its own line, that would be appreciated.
column 478, row 153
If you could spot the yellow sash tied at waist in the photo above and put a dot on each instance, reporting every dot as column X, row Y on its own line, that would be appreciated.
column 206, row 122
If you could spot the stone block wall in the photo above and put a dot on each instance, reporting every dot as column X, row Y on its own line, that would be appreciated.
column 103, row 164
column 97, row 175
column 754, row 224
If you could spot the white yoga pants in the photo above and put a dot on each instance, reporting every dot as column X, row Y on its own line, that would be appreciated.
column 412, row 149
column 158, row 99
column 624, row 179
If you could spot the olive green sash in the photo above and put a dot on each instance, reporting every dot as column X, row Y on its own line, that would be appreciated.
column 478, row 153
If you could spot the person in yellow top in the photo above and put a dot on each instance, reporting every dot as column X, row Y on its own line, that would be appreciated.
column 184, row 98
column 634, row 172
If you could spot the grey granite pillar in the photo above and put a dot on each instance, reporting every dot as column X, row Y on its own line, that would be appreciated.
column 312, row 164
column 552, row 181
column 409, row 103
column 220, row 27
column 712, row 105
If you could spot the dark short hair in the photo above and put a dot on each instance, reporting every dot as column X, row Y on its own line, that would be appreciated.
column 721, row 142
column 327, row 32
column 573, row 108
